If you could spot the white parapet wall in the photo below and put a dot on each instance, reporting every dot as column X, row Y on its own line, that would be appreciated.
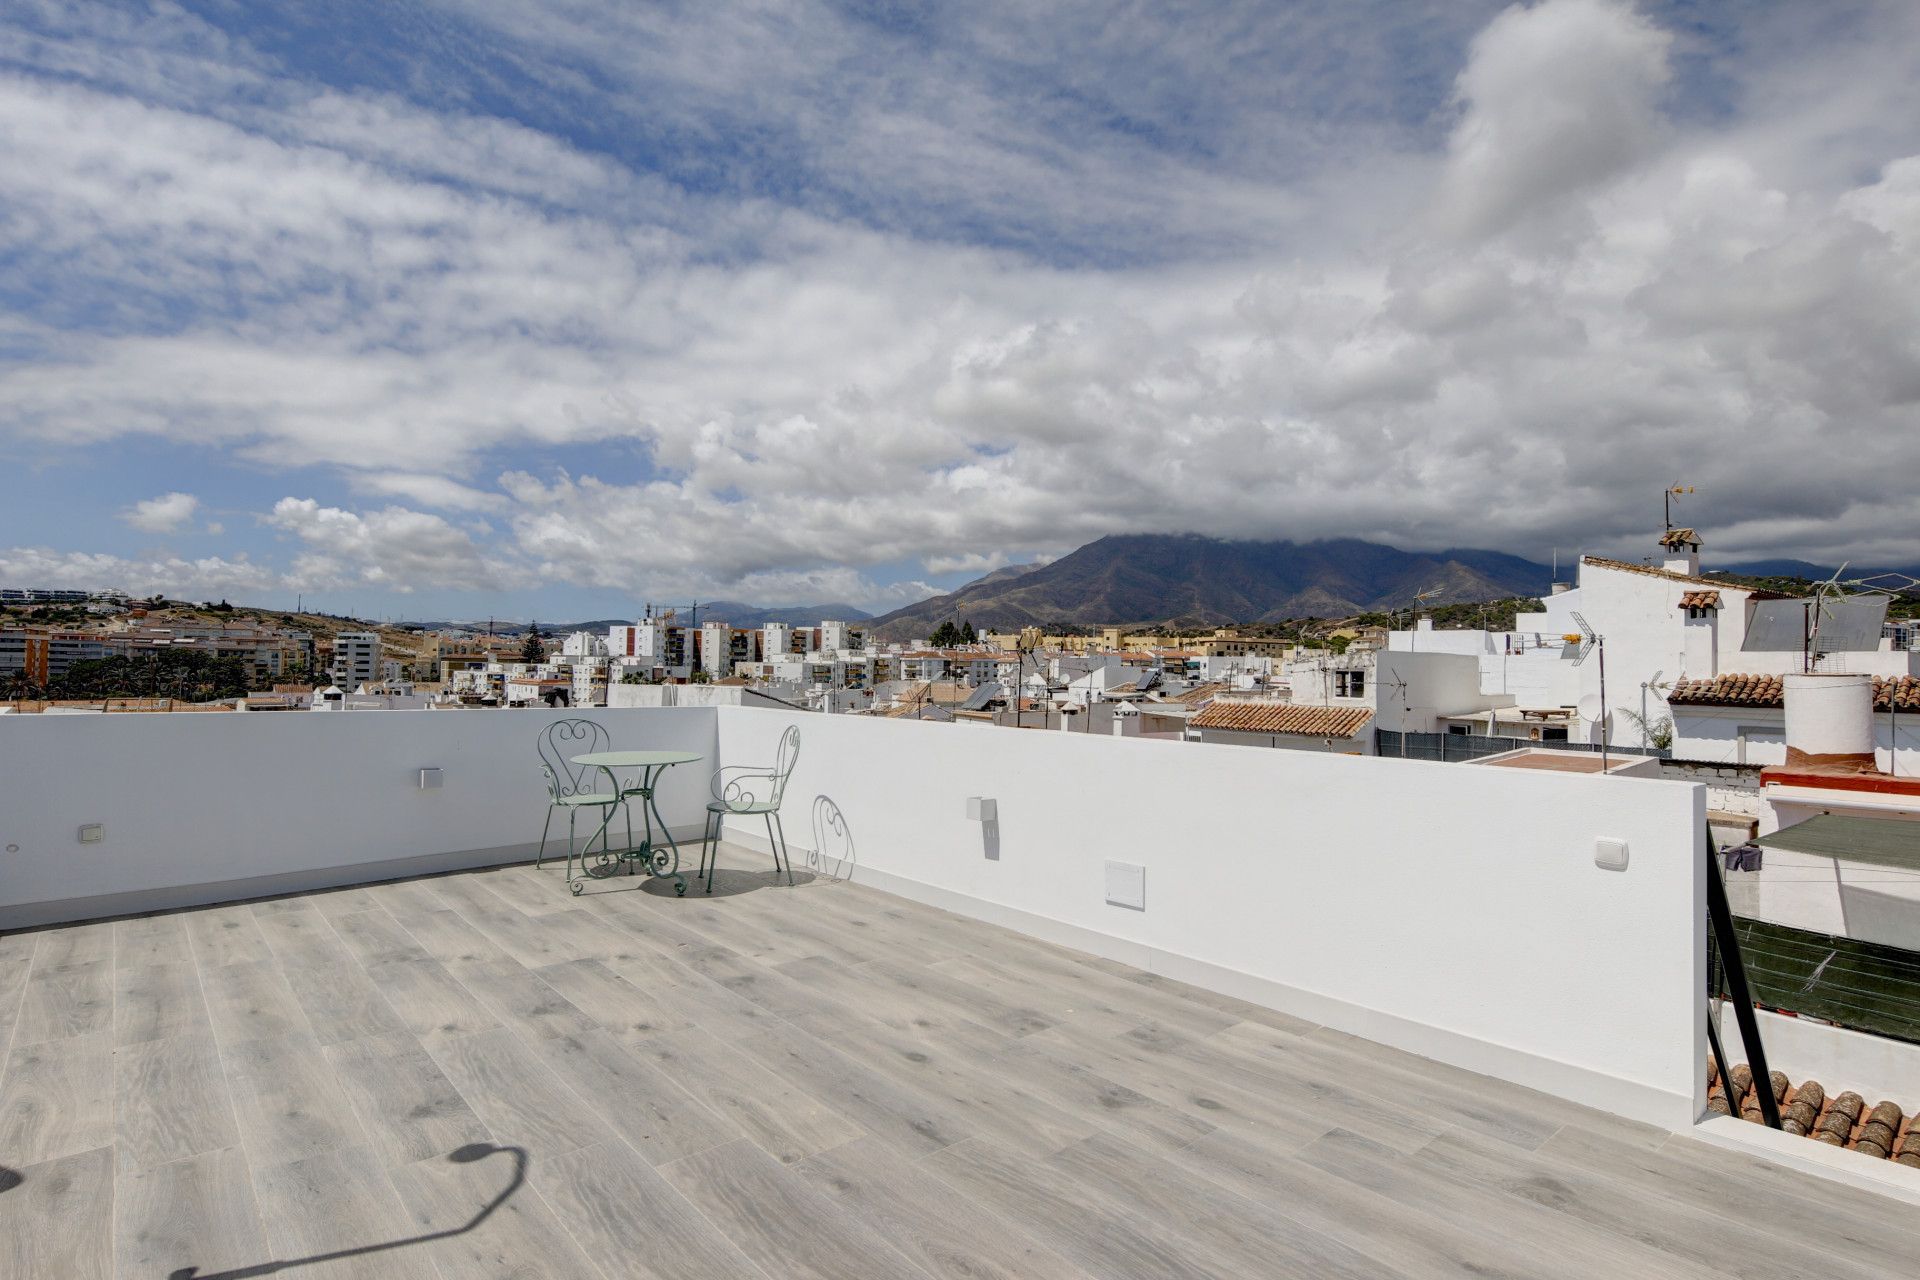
column 1458, row 913
column 200, row 808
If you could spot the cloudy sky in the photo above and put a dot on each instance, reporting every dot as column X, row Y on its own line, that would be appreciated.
column 449, row 307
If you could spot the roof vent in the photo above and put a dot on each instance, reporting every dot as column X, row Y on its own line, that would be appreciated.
column 1829, row 719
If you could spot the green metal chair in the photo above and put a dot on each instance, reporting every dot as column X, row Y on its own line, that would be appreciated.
column 745, row 789
column 571, row 786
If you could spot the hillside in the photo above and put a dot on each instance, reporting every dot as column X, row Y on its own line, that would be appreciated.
column 1147, row 578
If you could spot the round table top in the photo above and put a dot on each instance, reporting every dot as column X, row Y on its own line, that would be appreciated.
column 635, row 759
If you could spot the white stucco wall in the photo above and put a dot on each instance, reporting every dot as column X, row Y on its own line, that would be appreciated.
column 191, row 803
column 1289, row 878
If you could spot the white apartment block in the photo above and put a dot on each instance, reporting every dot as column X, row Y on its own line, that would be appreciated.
column 356, row 659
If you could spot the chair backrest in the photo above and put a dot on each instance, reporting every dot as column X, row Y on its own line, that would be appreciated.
column 559, row 743
column 784, row 760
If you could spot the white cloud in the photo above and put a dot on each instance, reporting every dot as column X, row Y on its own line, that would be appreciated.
column 168, row 513
column 206, row 578
column 393, row 549
column 969, row 330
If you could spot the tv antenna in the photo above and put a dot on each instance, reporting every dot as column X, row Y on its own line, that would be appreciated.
column 1393, row 680
column 1593, row 709
column 1656, row 685
column 1673, row 491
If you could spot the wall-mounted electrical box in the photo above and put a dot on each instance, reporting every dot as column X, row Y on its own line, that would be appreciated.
column 430, row 779
column 1127, row 885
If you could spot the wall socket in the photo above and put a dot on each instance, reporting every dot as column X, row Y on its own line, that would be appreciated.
column 1610, row 854
column 92, row 833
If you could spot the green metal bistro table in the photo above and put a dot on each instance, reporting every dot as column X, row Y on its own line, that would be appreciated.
column 662, row 861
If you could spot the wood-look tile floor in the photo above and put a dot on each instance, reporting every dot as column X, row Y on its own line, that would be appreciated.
column 480, row 1075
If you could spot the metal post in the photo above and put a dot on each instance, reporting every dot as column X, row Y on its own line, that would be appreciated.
column 1721, row 916
column 1601, row 643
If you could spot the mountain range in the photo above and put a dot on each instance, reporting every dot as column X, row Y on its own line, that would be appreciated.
column 1147, row 578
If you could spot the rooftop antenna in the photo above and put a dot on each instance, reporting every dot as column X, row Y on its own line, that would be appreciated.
column 1420, row 598
column 1673, row 491
column 1591, row 642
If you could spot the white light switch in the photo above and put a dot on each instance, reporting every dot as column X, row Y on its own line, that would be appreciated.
column 1127, row 885
column 92, row 833
column 429, row 779
column 1610, row 854
column 982, row 808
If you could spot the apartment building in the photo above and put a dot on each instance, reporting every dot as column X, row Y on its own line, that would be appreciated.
column 356, row 659
column 43, row 655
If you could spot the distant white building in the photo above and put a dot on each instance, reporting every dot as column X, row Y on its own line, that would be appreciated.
column 356, row 659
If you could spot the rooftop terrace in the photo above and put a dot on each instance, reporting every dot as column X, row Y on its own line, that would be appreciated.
column 478, row 1074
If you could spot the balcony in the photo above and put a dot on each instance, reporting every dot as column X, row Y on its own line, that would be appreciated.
column 1369, row 1018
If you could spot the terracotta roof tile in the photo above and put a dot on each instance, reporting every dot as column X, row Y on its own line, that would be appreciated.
column 1283, row 717
column 1900, row 693
column 1881, row 1131
column 1699, row 599
column 1198, row 694
column 1601, row 562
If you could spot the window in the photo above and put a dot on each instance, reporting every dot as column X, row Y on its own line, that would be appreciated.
column 1553, row 733
column 1457, row 730
column 1349, row 684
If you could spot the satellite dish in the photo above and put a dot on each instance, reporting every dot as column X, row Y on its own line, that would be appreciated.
column 1591, row 708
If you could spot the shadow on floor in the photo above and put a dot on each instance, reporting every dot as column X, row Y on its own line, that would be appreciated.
column 729, row 881
column 9, row 1178
column 464, row 1155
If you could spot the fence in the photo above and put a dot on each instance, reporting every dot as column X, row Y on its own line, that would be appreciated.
column 1473, row 746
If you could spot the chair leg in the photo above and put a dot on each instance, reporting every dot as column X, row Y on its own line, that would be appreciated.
column 542, row 855
column 710, row 849
column 773, row 845
column 785, row 852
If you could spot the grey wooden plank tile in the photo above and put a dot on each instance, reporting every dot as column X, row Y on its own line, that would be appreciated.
column 618, row 1006
column 194, row 1213
column 19, row 945
column 908, row 1119
column 480, row 1232
column 375, row 937
column 430, row 1001
column 287, row 1099
column 334, row 903
column 1621, row 1207
column 247, row 1001
column 339, row 1203
column 58, row 1222
column 686, row 997
column 516, row 1093
column 512, row 930
column 449, row 937
column 226, row 935
column 300, row 937
column 1339, row 1098
column 56, row 1099
column 521, row 1000
column 170, row 1101
column 780, row 1222
column 761, row 984
column 632, row 1222
column 1064, row 1001
column 409, row 1110
column 74, row 946
column 1224, row 1232
column 73, row 1000
column 1234, row 1007
column 1771, row 1199
column 962, row 1080
column 1059, row 1211
column 944, row 1232
column 147, row 940
column 13, row 992
column 399, row 896
column 780, row 1118
column 341, row 1002
column 1549, row 1233
column 936, row 990
column 1107, row 1103
column 660, row 1119
column 158, row 1002
column 1403, row 1239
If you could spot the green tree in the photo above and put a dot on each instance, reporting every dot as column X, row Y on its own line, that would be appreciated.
column 533, row 650
column 944, row 636
column 968, row 635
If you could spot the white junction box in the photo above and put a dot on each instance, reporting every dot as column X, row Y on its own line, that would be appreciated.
column 1610, row 854
column 982, row 808
column 430, row 779
column 92, row 833
column 1127, row 885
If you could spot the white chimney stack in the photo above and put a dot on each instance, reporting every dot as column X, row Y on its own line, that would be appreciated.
column 1829, row 716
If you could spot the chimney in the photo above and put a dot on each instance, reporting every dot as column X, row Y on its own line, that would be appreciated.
column 1680, row 549
column 1829, row 720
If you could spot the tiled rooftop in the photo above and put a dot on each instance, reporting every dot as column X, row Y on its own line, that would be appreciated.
column 1737, row 690
column 1699, row 600
column 1283, row 717
column 479, row 1075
